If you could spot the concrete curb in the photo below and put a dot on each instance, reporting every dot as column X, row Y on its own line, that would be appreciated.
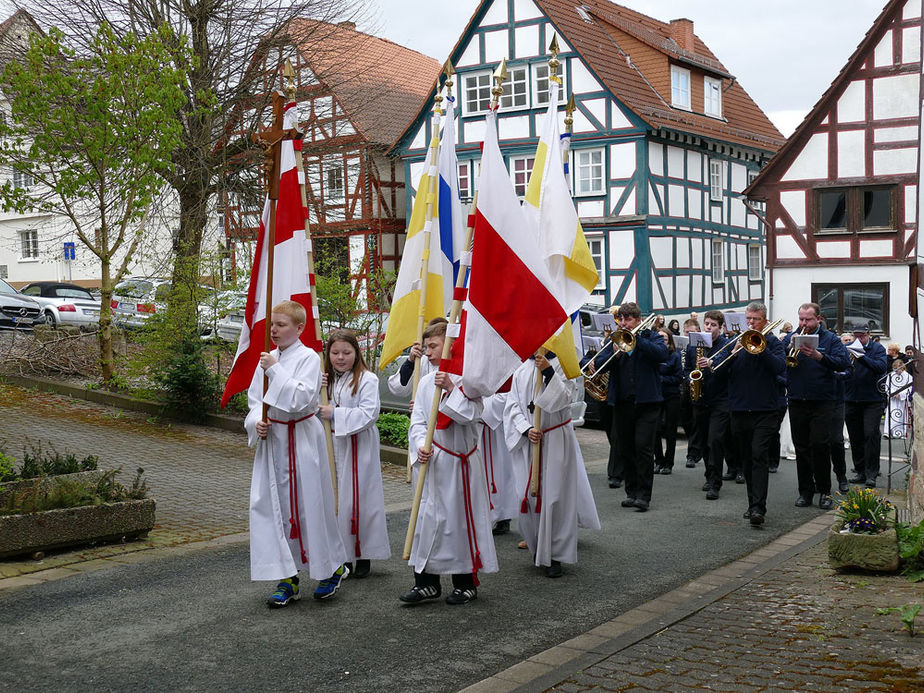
column 550, row 667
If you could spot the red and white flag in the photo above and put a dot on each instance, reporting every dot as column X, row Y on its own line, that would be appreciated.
column 290, row 270
column 510, row 310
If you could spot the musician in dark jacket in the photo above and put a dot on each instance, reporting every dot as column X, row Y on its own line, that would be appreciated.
column 864, row 404
column 754, row 400
column 671, row 378
column 812, row 395
column 710, row 412
column 635, row 395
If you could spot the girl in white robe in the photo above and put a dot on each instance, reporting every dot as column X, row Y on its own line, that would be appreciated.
column 353, row 393
column 291, row 463
column 549, row 521
column 498, row 464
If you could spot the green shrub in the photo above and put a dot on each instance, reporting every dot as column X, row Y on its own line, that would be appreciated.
column 37, row 461
column 190, row 386
column 911, row 550
column 393, row 428
column 7, row 468
column 70, row 493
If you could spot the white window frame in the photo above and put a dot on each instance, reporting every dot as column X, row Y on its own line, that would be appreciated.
column 482, row 81
column 465, row 174
column 28, row 244
column 718, row 261
column 22, row 179
column 331, row 195
column 597, row 248
column 541, row 85
column 597, row 184
column 755, row 263
column 521, row 164
column 681, row 88
column 517, row 78
column 716, row 180
column 712, row 97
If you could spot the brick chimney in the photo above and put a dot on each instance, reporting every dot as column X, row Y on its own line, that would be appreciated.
column 682, row 34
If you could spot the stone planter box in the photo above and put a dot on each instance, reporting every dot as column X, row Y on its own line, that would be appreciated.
column 58, row 529
column 9, row 488
column 392, row 455
column 875, row 552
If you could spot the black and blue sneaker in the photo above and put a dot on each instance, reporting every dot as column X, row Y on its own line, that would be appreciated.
column 328, row 588
column 286, row 591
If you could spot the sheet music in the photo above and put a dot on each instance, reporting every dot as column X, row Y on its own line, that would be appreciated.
column 700, row 339
column 681, row 341
column 808, row 339
column 736, row 322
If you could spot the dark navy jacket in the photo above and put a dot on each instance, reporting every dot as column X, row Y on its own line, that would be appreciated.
column 650, row 351
column 862, row 383
column 815, row 380
column 715, row 390
column 753, row 379
column 671, row 376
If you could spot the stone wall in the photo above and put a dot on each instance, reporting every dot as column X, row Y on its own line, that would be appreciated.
column 916, row 482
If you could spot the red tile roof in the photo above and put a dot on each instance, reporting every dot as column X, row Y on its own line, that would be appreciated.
column 380, row 84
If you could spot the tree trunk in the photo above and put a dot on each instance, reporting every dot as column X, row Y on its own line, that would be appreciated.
column 106, row 363
column 187, row 245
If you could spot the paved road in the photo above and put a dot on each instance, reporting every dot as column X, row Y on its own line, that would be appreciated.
column 194, row 620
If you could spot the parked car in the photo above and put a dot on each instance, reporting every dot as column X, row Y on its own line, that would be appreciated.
column 18, row 311
column 136, row 299
column 65, row 304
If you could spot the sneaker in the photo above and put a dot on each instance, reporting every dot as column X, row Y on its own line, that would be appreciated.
column 757, row 518
column 641, row 505
column 500, row 527
column 460, row 596
column 825, row 502
column 691, row 463
column 286, row 591
column 712, row 493
column 363, row 568
column 739, row 478
column 628, row 503
column 774, row 468
column 667, row 470
column 554, row 570
column 419, row 594
column 328, row 588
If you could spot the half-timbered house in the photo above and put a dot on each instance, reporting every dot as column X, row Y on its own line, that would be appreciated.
column 665, row 140
column 355, row 93
column 841, row 195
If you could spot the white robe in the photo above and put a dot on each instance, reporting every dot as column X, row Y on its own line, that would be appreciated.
column 498, row 464
column 566, row 499
column 442, row 537
column 355, row 417
column 294, row 384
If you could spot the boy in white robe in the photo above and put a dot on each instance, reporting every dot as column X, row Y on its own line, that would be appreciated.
column 549, row 520
column 291, row 465
column 453, row 531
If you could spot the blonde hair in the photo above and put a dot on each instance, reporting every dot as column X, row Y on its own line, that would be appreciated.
column 894, row 345
column 296, row 311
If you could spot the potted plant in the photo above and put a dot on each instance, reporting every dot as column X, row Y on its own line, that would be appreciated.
column 864, row 534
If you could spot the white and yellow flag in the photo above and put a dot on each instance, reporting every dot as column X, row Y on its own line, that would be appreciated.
column 549, row 206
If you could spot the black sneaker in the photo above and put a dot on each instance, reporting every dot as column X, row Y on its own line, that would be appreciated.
column 641, row 505
column 712, row 493
column 747, row 513
column 691, row 463
column 628, row 503
column 667, row 470
column 739, row 478
column 554, row 570
column 615, row 483
column 500, row 527
column 825, row 502
column 363, row 567
column 774, row 468
column 757, row 518
column 419, row 594
column 460, row 596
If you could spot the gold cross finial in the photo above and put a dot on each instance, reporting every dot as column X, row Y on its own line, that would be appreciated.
column 500, row 76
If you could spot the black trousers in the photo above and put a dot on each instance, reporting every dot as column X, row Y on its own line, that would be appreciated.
column 462, row 581
column 753, row 432
column 712, row 426
column 688, row 424
column 838, row 456
column 614, row 465
column 774, row 451
column 863, row 419
column 810, row 423
column 667, row 432
column 635, row 427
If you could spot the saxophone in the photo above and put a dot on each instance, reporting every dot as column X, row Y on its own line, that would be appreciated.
column 696, row 378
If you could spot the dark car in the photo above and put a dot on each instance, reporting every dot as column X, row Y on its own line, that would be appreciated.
column 18, row 311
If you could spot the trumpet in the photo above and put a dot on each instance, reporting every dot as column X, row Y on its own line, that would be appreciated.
column 622, row 342
column 792, row 356
column 753, row 341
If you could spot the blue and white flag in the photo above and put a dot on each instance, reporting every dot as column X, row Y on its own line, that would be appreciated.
column 449, row 205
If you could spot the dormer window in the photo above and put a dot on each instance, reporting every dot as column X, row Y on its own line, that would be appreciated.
column 712, row 97
column 680, row 87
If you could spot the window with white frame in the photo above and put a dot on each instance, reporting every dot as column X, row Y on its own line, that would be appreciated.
column 755, row 272
column 588, row 170
column 712, row 97
column 516, row 88
column 718, row 260
column 476, row 92
column 465, row 180
column 520, row 168
column 333, row 182
column 22, row 179
column 541, row 85
column 680, row 87
column 716, row 188
column 28, row 244
column 595, row 243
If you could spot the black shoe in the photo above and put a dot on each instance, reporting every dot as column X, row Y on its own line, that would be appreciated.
column 658, row 468
column 757, row 518
column 641, row 505
column 691, row 463
column 774, row 468
column 363, row 567
column 739, row 478
column 460, row 596
column 858, row 479
column 712, row 493
column 419, row 594
column 554, row 570
column 842, row 485
column 628, row 503
column 667, row 470
column 871, row 483
column 825, row 502
column 615, row 483
column 803, row 501
column 500, row 527
column 728, row 476
column 706, row 486
column 747, row 513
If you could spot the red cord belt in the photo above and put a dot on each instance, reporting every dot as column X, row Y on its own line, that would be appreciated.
column 524, row 505
column 294, row 518
column 467, row 503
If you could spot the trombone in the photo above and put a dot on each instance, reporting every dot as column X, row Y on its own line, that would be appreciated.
column 623, row 342
column 753, row 341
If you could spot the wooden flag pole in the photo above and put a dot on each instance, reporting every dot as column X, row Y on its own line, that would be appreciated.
column 325, row 400
column 454, row 314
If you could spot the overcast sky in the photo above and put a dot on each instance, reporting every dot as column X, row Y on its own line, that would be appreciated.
column 785, row 53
